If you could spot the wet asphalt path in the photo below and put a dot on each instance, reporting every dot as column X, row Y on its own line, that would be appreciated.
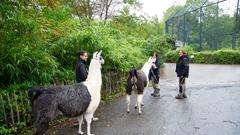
column 212, row 107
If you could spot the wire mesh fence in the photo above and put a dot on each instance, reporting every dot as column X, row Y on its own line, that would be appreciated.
column 210, row 25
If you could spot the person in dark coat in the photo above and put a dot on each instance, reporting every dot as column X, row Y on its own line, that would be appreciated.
column 81, row 70
column 154, row 75
column 182, row 70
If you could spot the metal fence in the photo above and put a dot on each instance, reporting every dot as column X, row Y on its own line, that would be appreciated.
column 210, row 25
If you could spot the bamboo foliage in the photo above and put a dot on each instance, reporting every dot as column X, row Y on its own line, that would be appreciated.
column 39, row 41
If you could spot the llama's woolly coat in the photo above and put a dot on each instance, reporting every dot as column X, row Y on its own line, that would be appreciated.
column 70, row 100
column 140, row 83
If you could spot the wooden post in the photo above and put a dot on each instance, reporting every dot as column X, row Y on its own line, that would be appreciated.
column 15, row 98
column 110, row 82
column 3, row 109
column 56, row 81
column 122, row 78
column 29, row 108
column 108, row 90
column 22, row 107
column 11, row 110
column 105, row 90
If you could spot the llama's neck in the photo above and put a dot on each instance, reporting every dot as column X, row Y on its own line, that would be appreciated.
column 94, row 74
column 146, row 67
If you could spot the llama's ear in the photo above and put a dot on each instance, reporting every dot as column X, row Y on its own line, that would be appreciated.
column 95, row 54
column 99, row 53
column 129, row 72
column 150, row 58
column 135, row 72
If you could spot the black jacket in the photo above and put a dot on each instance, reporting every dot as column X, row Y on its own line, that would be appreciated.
column 155, row 72
column 81, row 71
column 182, row 66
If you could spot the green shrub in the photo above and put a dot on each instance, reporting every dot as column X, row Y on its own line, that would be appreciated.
column 64, row 76
column 223, row 56
column 227, row 56
column 18, row 128
column 171, row 56
column 203, row 57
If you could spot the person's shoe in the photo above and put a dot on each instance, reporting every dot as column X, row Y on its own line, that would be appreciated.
column 179, row 96
column 154, row 92
column 184, row 95
column 95, row 119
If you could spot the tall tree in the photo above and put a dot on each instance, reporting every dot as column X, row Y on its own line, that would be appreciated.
column 101, row 9
column 173, row 9
column 191, row 2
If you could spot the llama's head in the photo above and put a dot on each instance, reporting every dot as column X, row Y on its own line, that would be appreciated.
column 151, row 60
column 97, row 56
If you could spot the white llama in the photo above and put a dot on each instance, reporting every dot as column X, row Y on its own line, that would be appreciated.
column 94, row 83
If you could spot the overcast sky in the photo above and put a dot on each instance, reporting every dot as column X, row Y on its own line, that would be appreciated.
column 158, row 7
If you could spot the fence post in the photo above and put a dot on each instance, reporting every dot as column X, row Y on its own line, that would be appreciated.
column 166, row 27
column 109, row 78
column 172, row 26
column 11, row 110
column 200, row 29
column 236, row 29
column 3, row 109
column 15, row 98
column 29, row 107
column 184, row 30
column 22, row 107
column 216, row 35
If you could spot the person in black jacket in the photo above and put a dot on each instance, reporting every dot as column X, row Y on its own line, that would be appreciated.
column 81, row 70
column 182, row 70
column 154, row 75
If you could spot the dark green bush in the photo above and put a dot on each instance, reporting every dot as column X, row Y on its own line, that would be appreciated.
column 171, row 56
column 227, row 56
column 223, row 56
column 16, row 129
column 205, row 57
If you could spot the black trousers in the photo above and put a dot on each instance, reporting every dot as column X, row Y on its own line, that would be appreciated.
column 181, row 84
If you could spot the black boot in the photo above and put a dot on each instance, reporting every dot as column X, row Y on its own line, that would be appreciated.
column 156, row 93
column 179, row 96
column 184, row 95
column 152, row 94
